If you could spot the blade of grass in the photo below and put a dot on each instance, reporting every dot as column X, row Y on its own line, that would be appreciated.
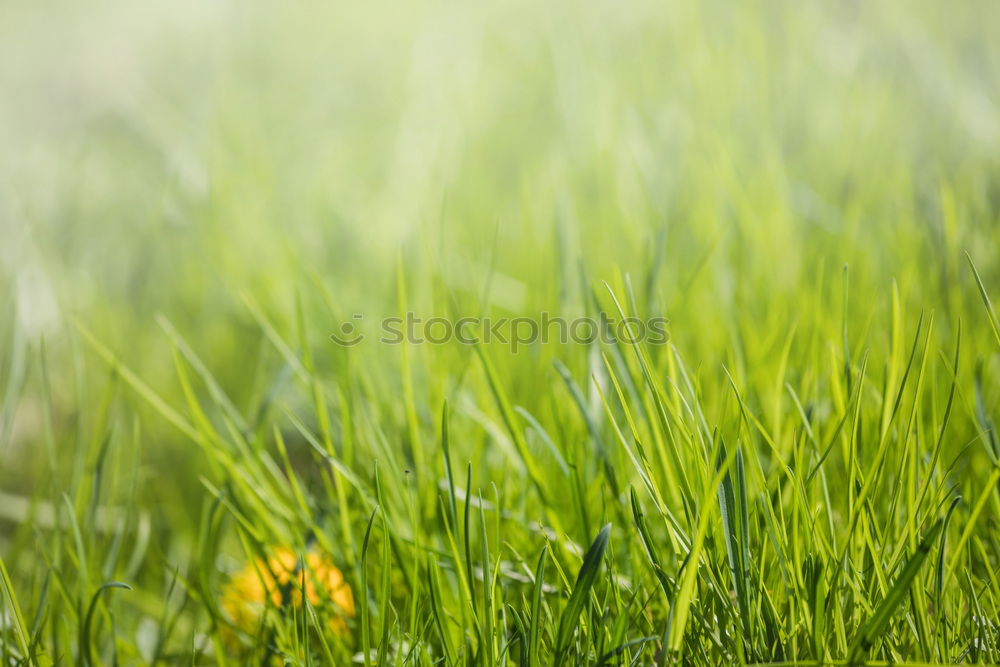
column 585, row 580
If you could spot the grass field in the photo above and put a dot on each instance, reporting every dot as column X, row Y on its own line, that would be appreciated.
column 198, row 200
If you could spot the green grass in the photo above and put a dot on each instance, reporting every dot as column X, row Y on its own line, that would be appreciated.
column 193, row 200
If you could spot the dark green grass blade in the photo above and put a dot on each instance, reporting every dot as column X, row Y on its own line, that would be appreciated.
column 86, row 645
column 649, row 548
column 729, row 511
column 536, row 609
column 735, row 526
column 366, row 642
column 581, row 591
column 437, row 608
column 941, row 621
column 875, row 627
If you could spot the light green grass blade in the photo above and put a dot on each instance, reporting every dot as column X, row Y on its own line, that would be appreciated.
column 990, row 312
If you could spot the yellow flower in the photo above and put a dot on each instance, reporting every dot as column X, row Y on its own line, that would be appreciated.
column 280, row 579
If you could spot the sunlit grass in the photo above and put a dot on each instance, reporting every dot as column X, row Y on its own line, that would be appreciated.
column 193, row 472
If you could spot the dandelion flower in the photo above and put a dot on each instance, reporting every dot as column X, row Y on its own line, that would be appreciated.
column 279, row 581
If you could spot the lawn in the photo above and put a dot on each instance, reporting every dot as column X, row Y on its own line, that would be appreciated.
column 506, row 333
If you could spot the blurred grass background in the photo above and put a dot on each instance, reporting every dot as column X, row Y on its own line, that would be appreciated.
column 170, row 157
column 201, row 161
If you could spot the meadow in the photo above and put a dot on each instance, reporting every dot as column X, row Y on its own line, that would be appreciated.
column 203, row 206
